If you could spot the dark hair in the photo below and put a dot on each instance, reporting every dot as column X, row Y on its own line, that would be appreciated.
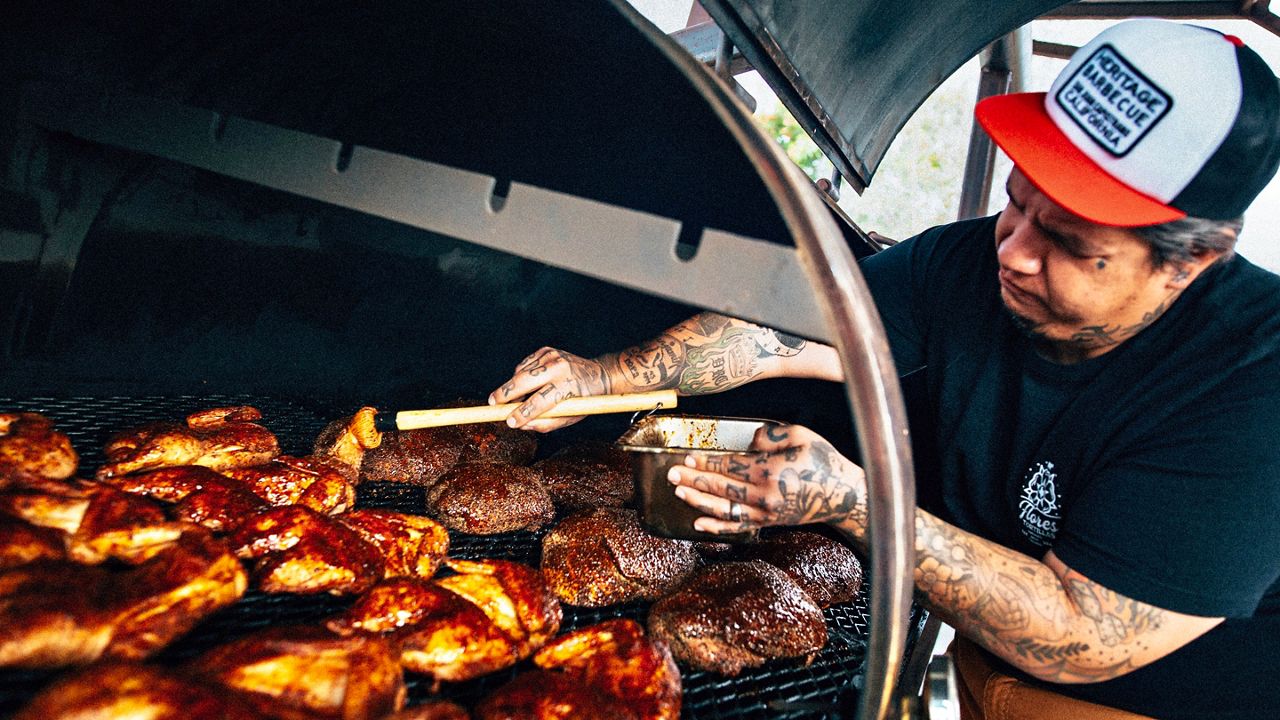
column 1181, row 240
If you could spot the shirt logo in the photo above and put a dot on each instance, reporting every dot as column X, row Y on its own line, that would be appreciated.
column 1112, row 102
column 1038, row 507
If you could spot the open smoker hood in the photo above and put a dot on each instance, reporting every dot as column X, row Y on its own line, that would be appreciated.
column 852, row 73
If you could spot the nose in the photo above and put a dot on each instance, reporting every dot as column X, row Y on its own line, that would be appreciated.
column 1020, row 248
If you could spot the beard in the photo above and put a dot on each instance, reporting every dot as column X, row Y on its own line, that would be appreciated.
column 1025, row 325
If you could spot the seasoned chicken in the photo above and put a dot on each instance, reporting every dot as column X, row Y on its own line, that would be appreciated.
column 311, row 482
column 198, row 494
column 735, row 615
column 298, row 550
column 135, row 691
column 588, row 475
column 548, row 695
column 217, row 438
column 601, row 557
column 301, row 551
column 432, row 710
column 21, row 543
column 613, row 659
column 99, row 521
column 300, row 673
column 422, row 456
column 31, row 448
column 489, row 616
column 348, row 441
column 59, row 613
column 490, row 498
column 825, row 568
column 409, row 544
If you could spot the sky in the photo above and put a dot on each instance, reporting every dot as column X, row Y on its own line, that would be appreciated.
column 928, row 156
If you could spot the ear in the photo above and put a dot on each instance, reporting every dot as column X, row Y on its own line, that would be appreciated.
column 1183, row 274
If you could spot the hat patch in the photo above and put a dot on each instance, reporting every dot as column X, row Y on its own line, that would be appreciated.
column 1113, row 103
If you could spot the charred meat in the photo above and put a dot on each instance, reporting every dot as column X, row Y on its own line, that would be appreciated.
column 735, row 615
column 490, row 498
column 588, row 475
column 603, row 557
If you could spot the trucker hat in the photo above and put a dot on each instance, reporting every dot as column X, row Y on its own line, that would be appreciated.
column 1150, row 122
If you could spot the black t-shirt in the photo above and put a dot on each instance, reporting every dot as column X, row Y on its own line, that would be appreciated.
column 1153, row 469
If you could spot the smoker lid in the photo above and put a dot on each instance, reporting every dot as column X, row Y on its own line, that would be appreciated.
column 852, row 73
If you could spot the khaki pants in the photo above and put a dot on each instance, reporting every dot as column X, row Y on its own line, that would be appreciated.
column 986, row 694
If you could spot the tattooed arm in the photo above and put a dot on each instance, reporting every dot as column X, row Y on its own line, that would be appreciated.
column 1039, row 615
column 705, row 354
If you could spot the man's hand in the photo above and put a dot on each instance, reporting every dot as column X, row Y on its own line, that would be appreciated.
column 544, row 379
column 795, row 477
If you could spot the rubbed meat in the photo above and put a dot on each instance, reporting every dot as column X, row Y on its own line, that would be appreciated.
column 57, row 613
column 96, row 521
column 418, row 457
column 549, row 695
column 300, row 551
column 422, row 456
column 299, row 673
column 31, row 448
column 489, row 616
column 603, row 557
column 134, row 690
column 588, row 475
column 490, row 498
column 217, row 438
column 735, row 615
column 825, row 568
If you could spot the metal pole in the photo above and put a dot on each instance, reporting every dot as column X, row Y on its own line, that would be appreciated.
column 1004, row 64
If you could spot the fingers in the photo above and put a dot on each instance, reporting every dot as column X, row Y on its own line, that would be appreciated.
column 546, row 425
column 543, row 379
column 717, row 485
column 723, row 515
column 771, row 438
column 530, row 374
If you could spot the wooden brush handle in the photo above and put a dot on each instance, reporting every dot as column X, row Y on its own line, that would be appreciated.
column 570, row 407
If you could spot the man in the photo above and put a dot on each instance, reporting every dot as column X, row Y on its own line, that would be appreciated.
column 1098, row 507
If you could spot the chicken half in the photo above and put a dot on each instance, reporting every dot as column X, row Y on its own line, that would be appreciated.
column 301, row 551
column 489, row 616
column 31, row 448
column 197, row 494
column 133, row 690
column 216, row 438
column 97, row 521
column 58, row 613
column 605, row 671
column 300, row 673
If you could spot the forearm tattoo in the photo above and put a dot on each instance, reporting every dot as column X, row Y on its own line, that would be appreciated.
column 1061, row 629
column 707, row 354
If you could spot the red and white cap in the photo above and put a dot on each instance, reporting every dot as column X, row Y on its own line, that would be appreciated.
column 1150, row 122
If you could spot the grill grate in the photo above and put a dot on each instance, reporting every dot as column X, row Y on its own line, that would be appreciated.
column 790, row 689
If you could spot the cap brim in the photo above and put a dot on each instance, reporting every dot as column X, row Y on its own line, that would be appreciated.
column 1020, row 125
